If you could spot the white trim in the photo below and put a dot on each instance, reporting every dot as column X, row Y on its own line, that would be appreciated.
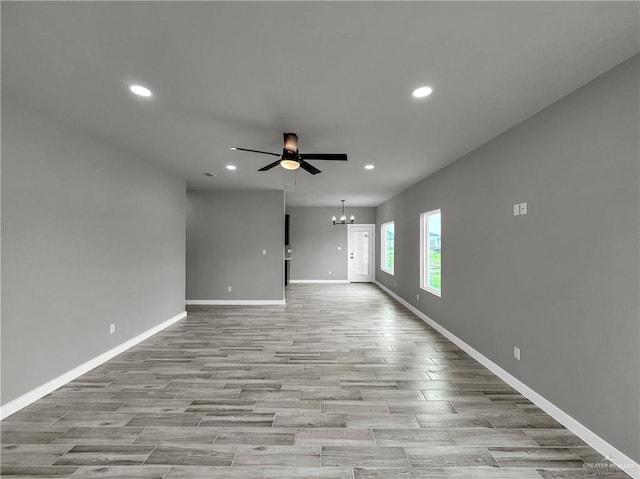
column 434, row 292
column 284, row 246
column 23, row 401
column 236, row 302
column 424, row 253
column 318, row 281
column 383, row 249
column 617, row 457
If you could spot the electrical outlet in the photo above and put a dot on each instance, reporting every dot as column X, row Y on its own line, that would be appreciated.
column 516, row 353
column 329, row 272
column 228, row 289
column 264, row 252
column 418, row 296
column 339, row 248
column 516, row 209
column 112, row 328
column 523, row 208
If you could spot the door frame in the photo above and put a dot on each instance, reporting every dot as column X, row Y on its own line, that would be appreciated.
column 372, row 247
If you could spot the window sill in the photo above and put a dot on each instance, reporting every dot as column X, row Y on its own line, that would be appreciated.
column 435, row 292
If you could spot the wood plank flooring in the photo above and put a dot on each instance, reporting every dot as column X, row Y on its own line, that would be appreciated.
column 341, row 383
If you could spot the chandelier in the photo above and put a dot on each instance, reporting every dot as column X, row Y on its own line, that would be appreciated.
column 343, row 218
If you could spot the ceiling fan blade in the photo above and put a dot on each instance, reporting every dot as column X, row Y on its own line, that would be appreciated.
column 256, row 151
column 269, row 166
column 324, row 156
column 310, row 168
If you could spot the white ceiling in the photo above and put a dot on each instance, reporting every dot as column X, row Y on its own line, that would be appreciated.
column 338, row 74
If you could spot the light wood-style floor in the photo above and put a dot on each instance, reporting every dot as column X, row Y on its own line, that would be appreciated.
column 342, row 383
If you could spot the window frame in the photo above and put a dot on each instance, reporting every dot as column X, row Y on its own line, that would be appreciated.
column 424, row 252
column 383, row 248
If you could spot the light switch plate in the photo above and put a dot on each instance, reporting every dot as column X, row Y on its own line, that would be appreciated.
column 516, row 209
column 523, row 208
column 516, row 353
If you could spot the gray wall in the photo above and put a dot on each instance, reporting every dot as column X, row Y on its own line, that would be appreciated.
column 561, row 282
column 91, row 236
column 226, row 233
column 315, row 241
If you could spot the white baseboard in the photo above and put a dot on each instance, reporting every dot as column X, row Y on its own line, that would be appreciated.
column 620, row 459
column 318, row 281
column 235, row 302
column 23, row 401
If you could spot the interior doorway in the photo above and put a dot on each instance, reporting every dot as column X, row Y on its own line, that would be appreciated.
column 361, row 258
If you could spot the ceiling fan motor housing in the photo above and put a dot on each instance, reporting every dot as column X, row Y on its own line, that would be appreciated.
column 290, row 155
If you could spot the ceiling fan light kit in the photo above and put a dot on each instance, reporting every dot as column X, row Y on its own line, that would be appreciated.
column 289, row 164
column 292, row 159
column 343, row 218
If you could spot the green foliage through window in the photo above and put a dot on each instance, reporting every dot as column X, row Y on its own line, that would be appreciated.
column 388, row 246
column 431, row 252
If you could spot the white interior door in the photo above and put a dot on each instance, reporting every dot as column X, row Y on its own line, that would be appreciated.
column 361, row 255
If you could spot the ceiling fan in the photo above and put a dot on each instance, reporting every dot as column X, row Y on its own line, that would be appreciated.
column 291, row 159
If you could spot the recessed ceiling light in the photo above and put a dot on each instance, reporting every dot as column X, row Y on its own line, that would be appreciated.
column 369, row 167
column 422, row 92
column 231, row 167
column 140, row 90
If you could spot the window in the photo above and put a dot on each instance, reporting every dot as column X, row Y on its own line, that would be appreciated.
column 430, row 252
column 387, row 247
